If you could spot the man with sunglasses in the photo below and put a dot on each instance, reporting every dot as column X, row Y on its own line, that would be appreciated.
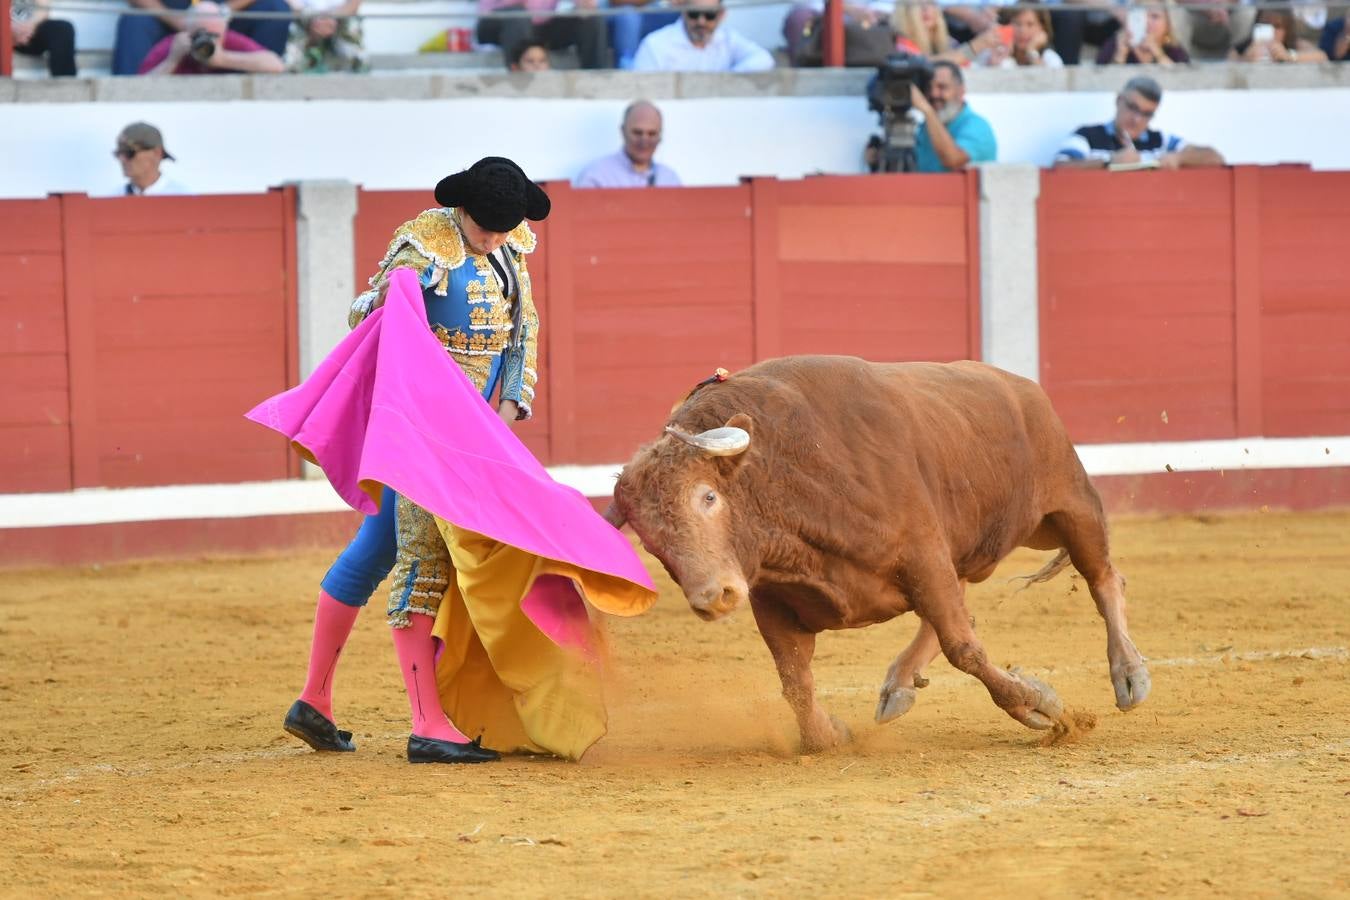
column 1128, row 141
column 697, row 43
column 140, row 150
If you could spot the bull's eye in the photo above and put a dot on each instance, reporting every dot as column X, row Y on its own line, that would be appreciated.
column 710, row 498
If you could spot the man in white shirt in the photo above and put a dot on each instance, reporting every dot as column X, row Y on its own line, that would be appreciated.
column 696, row 43
column 140, row 150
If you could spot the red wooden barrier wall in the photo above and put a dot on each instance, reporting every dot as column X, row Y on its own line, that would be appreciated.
column 34, row 405
column 1217, row 297
column 1137, row 304
column 644, row 293
column 1303, row 334
column 149, row 326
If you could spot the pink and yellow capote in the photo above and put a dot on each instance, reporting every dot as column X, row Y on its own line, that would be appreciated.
column 519, row 663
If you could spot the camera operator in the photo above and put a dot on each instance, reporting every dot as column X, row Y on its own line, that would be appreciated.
column 952, row 135
column 206, row 46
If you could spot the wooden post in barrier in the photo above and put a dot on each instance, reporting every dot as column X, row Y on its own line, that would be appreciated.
column 6, row 41
column 834, row 32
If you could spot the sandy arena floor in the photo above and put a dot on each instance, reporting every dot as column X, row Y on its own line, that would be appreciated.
column 141, row 749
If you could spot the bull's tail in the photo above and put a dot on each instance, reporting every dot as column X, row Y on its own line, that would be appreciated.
column 1046, row 572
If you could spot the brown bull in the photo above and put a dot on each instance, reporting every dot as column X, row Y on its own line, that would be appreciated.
column 836, row 493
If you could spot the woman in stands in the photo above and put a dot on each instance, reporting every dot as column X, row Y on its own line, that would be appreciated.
column 1026, row 40
column 468, row 256
column 1274, row 38
column 1158, row 45
column 921, row 28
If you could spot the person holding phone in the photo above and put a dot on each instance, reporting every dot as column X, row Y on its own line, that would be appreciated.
column 1024, row 40
column 1128, row 141
column 1275, row 38
column 1148, row 37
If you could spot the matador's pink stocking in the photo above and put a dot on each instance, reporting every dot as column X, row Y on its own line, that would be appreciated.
column 333, row 621
column 416, row 656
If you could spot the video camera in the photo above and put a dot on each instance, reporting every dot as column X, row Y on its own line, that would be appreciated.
column 888, row 91
column 888, row 95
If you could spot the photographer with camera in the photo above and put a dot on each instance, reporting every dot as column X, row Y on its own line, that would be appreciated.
column 206, row 46
column 952, row 135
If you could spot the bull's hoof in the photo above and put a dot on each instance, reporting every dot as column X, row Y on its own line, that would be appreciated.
column 834, row 734
column 894, row 703
column 1044, row 709
column 1132, row 685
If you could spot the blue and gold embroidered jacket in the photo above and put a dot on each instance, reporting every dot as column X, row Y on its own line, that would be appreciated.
column 493, row 338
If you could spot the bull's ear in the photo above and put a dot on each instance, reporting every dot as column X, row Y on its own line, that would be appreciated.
column 743, row 422
column 729, row 464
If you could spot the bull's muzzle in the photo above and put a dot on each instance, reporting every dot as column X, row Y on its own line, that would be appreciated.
column 716, row 600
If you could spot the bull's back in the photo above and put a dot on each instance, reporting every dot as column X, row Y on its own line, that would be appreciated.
column 984, row 447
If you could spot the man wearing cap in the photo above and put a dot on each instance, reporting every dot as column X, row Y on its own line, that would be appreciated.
column 469, row 257
column 140, row 150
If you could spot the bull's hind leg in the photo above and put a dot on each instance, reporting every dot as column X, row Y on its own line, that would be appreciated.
column 906, row 673
column 938, row 598
column 792, row 647
column 1084, row 534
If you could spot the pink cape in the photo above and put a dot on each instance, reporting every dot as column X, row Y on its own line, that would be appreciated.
column 388, row 406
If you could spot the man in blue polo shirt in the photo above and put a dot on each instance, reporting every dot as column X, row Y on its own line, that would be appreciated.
column 1127, row 141
column 952, row 135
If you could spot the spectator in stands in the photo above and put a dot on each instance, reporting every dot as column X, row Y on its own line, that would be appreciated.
column 136, row 35
column 1158, row 45
column 1073, row 25
column 952, row 135
column 922, row 28
column 698, row 43
column 805, row 20
column 628, row 27
column 1209, row 29
column 1127, row 140
column 966, row 21
column 207, row 46
column 326, row 37
column 140, row 150
column 528, row 56
column 1335, row 42
column 586, row 33
column 632, row 166
column 1025, row 41
column 35, row 33
column 1282, row 45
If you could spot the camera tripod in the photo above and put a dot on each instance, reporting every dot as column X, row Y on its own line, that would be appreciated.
column 896, row 150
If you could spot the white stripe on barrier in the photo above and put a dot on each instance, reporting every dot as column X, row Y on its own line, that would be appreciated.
column 98, row 506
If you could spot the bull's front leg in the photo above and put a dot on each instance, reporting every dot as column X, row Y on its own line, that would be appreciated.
column 792, row 647
column 898, row 691
column 937, row 595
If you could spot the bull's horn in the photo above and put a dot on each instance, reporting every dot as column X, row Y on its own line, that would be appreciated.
column 613, row 516
column 716, row 441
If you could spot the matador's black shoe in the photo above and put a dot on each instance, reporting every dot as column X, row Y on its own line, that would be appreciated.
column 316, row 729
column 430, row 750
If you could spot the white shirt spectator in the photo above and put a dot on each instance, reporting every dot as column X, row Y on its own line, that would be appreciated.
column 670, row 50
column 162, row 186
